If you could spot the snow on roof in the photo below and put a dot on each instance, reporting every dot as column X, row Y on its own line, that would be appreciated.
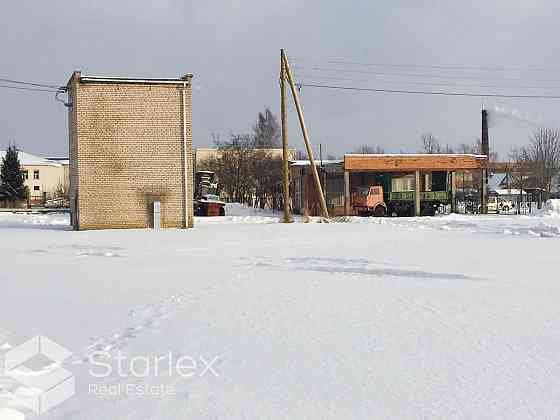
column 495, row 180
column 381, row 155
column 27, row 159
column 62, row 160
column 510, row 191
column 148, row 80
column 317, row 162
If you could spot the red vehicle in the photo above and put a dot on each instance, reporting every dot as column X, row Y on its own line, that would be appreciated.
column 207, row 202
column 368, row 201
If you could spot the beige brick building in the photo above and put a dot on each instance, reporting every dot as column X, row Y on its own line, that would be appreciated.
column 130, row 145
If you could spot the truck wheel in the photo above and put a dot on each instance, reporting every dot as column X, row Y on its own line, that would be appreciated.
column 222, row 211
column 379, row 211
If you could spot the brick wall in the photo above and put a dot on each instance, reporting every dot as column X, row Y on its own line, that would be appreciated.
column 126, row 151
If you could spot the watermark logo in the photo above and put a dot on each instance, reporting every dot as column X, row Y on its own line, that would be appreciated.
column 104, row 365
column 45, row 386
column 41, row 381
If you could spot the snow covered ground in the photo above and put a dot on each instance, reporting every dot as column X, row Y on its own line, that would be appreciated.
column 452, row 317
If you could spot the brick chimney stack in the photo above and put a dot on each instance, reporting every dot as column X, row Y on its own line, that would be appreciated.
column 484, row 144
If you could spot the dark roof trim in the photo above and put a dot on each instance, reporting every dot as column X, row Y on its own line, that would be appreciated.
column 99, row 79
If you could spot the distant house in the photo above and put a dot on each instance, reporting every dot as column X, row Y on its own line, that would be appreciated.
column 43, row 176
column 500, row 180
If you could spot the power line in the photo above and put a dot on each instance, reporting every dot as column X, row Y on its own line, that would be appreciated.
column 347, row 79
column 436, row 67
column 427, row 76
column 437, row 93
column 21, row 82
column 28, row 88
column 320, row 78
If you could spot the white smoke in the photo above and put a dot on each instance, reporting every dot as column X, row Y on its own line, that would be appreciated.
column 499, row 112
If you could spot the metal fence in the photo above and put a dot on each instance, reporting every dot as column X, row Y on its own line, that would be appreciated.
column 503, row 204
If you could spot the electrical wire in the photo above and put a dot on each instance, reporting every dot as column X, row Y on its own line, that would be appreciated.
column 20, row 82
column 342, row 61
column 427, row 76
column 320, row 78
column 29, row 89
column 437, row 93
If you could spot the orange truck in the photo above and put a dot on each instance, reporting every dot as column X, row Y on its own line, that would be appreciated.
column 368, row 201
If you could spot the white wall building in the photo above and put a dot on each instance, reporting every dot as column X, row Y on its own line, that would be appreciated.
column 42, row 176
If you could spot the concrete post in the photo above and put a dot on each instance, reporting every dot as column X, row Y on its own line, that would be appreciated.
column 157, row 215
column 484, row 193
column 417, row 194
column 453, row 193
column 347, row 203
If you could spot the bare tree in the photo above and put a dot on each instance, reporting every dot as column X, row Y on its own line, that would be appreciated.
column 466, row 148
column 366, row 149
column 246, row 173
column 475, row 148
column 430, row 144
column 542, row 157
column 519, row 167
column 266, row 173
column 448, row 149
column 232, row 166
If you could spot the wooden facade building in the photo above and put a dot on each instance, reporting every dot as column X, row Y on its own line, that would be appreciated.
column 412, row 183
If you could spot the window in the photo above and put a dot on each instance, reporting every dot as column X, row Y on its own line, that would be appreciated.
column 403, row 183
column 35, row 174
column 36, row 188
column 26, row 175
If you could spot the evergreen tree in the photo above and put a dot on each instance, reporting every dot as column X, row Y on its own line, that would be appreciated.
column 11, row 176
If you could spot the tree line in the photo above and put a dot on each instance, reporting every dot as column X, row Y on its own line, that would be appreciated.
column 247, row 170
column 537, row 163
column 534, row 165
column 249, row 173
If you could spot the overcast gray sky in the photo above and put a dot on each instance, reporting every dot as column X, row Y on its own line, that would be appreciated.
column 232, row 47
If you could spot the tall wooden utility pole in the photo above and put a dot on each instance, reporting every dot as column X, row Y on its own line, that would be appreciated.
column 288, row 71
column 284, row 117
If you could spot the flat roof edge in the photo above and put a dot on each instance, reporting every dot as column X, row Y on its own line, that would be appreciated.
column 416, row 155
column 105, row 79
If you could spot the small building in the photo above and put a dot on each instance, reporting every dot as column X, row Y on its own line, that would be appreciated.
column 44, row 177
column 412, row 184
column 130, row 152
column 305, row 199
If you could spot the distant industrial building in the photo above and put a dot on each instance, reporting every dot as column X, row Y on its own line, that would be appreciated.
column 130, row 152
